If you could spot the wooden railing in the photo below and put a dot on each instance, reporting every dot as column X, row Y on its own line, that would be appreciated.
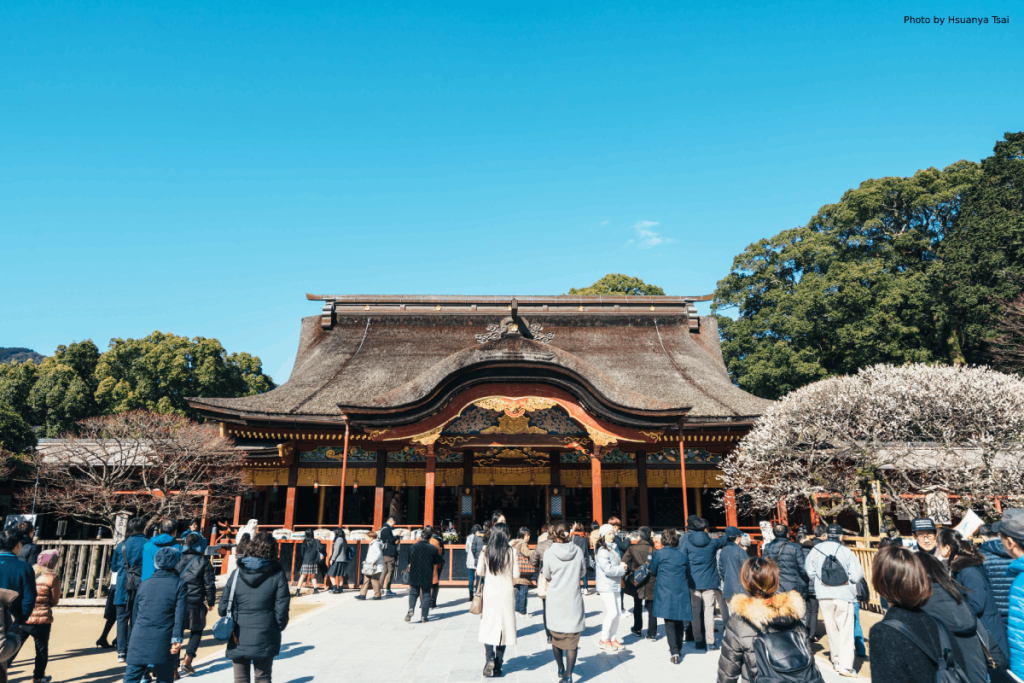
column 84, row 568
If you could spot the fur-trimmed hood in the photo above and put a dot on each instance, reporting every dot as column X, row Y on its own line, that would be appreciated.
column 963, row 561
column 780, row 611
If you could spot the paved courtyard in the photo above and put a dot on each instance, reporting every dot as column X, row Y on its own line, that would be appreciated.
column 369, row 640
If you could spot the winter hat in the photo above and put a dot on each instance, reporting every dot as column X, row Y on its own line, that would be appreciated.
column 167, row 558
column 605, row 530
column 48, row 559
column 922, row 524
column 1012, row 524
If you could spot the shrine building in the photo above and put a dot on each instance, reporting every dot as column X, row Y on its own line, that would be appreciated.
column 444, row 408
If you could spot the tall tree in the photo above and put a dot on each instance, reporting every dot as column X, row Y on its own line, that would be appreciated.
column 63, row 392
column 158, row 372
column 16, row 436
column 982, row 259
column 617, row 283
column 16, row 382
column 849, row 289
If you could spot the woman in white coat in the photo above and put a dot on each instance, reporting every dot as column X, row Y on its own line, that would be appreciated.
column 609, row 573
column 497, row 568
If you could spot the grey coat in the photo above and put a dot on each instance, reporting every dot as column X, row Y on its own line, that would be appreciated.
column 563, row 568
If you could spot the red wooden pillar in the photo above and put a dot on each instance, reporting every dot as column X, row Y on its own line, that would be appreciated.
column 641, row 482
column 783, row 513
column 378, row 496
column 238, row 509
column 731, row 518
column 682, row 468
column 344, row 472
column 595, row 483
column 815, row 519
column 289, row 501
column 428, row 495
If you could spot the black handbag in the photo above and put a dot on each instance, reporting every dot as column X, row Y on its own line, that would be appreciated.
column 642, row 573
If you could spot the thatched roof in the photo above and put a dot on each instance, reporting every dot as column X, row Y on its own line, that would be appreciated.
column 379, row 355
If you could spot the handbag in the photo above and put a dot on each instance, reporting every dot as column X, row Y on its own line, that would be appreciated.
column 642, row 573
column 477, row 606
column 948, row 670
column 526, row 568
column 225, row 626
column 994, row 655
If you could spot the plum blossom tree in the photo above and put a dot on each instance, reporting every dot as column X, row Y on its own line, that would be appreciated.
column 139, row 463
column 899, row 431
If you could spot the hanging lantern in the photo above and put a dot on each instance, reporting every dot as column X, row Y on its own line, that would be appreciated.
column 665, row 484
column 275, row 487
column 316, row 485
column 355, row 486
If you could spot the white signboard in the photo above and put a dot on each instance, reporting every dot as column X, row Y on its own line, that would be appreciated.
column 766, row 532
column 969, row 525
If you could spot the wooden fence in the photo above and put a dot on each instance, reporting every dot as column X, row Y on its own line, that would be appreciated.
column 84, row 568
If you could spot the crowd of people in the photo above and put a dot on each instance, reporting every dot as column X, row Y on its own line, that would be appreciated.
column 950, row 604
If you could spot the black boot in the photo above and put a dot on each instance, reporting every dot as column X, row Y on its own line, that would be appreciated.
column 499, row 657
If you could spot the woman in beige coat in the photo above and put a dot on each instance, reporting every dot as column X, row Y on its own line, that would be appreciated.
column 498, row 568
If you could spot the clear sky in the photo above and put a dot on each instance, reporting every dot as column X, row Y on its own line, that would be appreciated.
column 198, row 167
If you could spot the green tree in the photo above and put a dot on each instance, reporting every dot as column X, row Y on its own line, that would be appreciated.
column 16, row 435
column 158, row 372
column 617, row 283
column 982, row 259
column 63, row 392
column 848, row 290
column 16, row 382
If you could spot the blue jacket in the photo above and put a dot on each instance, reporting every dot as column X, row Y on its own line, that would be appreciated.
column 159, row 618
column 134, row 551
column 996, row 562
column 200, row 545
column 1015, row 627
column 701, row 549
column 671, row 567
column 149, row 552
column 17, row 576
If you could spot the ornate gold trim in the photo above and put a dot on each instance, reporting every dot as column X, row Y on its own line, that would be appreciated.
column 600, row 438
column 427, row 438
column 653, row 436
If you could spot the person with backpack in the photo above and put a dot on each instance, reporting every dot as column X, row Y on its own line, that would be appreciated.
column 835, row 571
column 339, row 561
column 200, row 582
column 766, row 625
column 907, row 644
column 159, row 621
column 640, row 555
column 524, row 557
column 127, row 562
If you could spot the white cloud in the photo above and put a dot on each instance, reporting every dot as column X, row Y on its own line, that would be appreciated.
column 603, row 223
column 648, row 238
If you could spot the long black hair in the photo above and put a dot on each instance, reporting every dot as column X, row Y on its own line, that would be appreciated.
column 497, row 550
column 339, row 535
column 938, row 574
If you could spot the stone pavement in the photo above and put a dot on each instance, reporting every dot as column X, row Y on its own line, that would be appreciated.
column 357, row 640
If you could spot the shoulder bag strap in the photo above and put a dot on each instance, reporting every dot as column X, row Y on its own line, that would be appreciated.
column 190, row 563
column 231, row 596
column 913, row 638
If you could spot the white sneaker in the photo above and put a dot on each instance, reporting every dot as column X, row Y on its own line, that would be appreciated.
column 849, row 673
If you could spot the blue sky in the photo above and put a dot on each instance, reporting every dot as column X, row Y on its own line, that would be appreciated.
column 197, row 168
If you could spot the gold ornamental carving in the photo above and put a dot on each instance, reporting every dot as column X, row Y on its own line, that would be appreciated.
column 515, row 407
column 451, row 440
column 374, row 433
column 427, row 438
column 513, row 425
column 528, row 455
column 653, row 436
column 600, row 438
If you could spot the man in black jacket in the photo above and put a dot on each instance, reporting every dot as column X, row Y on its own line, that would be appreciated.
column 29, row 549
column 790, row 558
column 197, row 573
column 703, row 578
column 807, row 543
column 423, row 556
column 390, row 551
column 730, row 561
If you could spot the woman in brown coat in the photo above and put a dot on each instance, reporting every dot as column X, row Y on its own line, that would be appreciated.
column 639, row 554
column 41, row 620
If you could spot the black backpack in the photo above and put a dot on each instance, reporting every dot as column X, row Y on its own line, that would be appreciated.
column 832, row 571
column 132, row 578
column 785, row 657
column 948, row 670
